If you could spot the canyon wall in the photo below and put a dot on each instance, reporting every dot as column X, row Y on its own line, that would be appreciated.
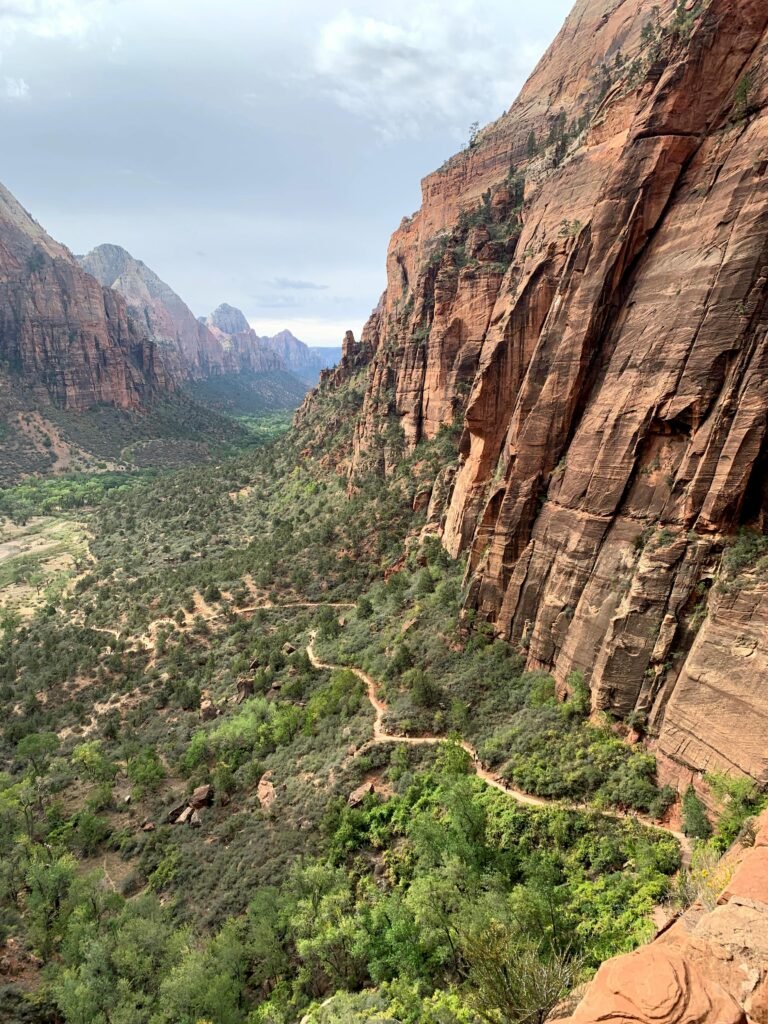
column 583, row 294
column 63, row 336
column 190, row 350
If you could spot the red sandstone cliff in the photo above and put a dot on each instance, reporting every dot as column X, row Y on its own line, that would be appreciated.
column 584, row 289
column 189, row 348
column 62, row 335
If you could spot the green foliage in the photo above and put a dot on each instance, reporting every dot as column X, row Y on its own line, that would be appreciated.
column 145, row 770
column 90, row 758
column 36, row 749
column 63, row 493
column 263, row 913
column 695, row 820
column 508, row 976
column 261, row 400
column 746, row 555
column 741, row 800
column 742, row 95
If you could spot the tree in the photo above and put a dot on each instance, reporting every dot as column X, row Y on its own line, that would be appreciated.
column 36, row 749
column 474, row 131
column 695, row 820
column 510, row 980
column 90, row 758
column 48, row 885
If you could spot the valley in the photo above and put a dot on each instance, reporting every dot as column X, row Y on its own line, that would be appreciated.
column 324, row 714
column 421, row 680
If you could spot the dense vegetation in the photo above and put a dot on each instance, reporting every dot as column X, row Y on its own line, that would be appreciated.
column 174, row 432
column 250, row 394
column 321, row 873
column 443, row 674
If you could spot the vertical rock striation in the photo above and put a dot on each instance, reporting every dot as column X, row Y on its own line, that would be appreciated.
column 584, row 291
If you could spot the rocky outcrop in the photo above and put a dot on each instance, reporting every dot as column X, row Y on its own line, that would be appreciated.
column 190, row 350
column 583, row 291
column 197, row 349
column 710, row 967
column 63, row 337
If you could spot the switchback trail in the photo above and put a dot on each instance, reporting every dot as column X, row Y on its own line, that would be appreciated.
column 380, row 735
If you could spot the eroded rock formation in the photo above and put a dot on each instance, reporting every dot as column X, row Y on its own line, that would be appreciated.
column 583, row 291
column 710, row 967
column 62, row 335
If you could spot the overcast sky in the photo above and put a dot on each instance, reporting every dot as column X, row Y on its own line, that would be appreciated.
column 253, row 153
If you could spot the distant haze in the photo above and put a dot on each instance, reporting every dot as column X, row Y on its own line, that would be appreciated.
column 251, row 155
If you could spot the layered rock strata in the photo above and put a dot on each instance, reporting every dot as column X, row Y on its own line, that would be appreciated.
column 583, row 292
column 189, row 348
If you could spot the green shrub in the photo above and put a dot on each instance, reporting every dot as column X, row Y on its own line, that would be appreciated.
column 695, row 821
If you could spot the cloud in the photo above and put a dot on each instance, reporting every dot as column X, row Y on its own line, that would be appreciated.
column 438, row 65
column 14, row 89
column 289, row 284
column 48, row 19
column 277, row 302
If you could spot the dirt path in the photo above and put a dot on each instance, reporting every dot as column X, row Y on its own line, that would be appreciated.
column 380, row 735
column 269, row 606
column 210, row 614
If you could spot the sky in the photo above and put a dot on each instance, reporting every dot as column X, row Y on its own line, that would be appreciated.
column 254, row 153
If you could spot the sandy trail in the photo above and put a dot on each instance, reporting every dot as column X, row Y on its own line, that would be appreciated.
column 380, row 735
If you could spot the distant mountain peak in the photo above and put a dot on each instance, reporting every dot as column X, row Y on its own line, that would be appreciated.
column 228, row 319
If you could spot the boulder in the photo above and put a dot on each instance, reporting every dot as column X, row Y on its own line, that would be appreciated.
column 208, row 711
column 357, row 796
column 265, row 791
column 244, row 689
column 175, row 813
column 201, row 797
column 655, row 985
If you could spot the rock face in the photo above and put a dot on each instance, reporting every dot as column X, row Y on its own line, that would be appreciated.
column 64, row 337
column 189, row 348
column 245, row 351
column 300, row 359
column 584, row 291
column 283, row 351
column 197, row 349
column 710, row 967
column 228, row 320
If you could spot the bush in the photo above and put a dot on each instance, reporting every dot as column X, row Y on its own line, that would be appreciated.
column 145, row 771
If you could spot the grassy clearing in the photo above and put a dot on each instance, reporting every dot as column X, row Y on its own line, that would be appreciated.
column 38, row 562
